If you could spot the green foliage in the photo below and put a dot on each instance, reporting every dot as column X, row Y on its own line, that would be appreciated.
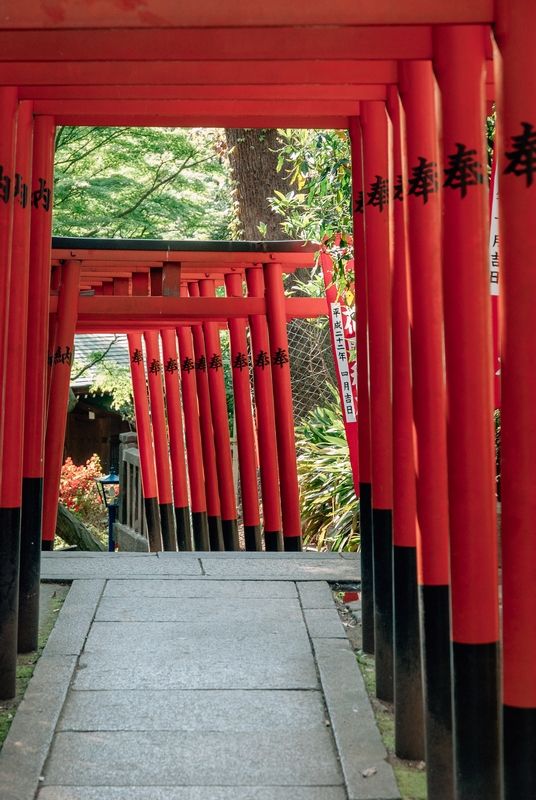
column 491, row 125
column 140, row 183
column 113, row 379
column 329, row 507
column 318, row 165
column 321, row 208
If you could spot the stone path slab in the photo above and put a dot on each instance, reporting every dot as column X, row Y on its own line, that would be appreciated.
column 164, row 682
column 209, row 566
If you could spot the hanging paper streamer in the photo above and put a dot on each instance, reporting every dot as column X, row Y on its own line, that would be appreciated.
column 343, row 340
column 494, row 280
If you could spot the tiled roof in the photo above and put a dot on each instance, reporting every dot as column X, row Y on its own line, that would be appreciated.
column 85, row 344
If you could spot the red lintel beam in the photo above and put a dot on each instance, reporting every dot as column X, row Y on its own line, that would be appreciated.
column 35, row 14
column 177, row 108
column 201, row 258
column 260, row 44
column 277, row 120
column 136, row 309
column 199, row 73
column 290, row 92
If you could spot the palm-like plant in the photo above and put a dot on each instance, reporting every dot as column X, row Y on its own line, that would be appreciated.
column 329, row 507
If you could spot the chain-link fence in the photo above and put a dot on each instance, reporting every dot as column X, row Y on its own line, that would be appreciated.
column 311, row 364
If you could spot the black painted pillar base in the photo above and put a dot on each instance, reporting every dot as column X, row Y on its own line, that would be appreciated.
column 435, row 643
column 292, row 544
column 46, row 546
column 409, row 722
column 184, row 532
column 477, row 741
column 519, row 733
column 215, row 533
column 200, row 531
column 30, row 564
column 9, row 598
column 152, row 516
column 230, row 534
column 252, row 537
column 382, row 526
column 167, row 522
column 273, row 541
column 367, row 574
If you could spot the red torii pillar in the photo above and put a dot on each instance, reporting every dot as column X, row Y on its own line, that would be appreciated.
column 59, row 394
column 220, row 423
column 145, row 442
column 264, row 401
column 409, row 730
column 284, row 415
column 176, row 439
column 514, row 30
column 16, row 379
column 36, row 366
column 9, row 507
column 418, row 91
column 363, row 400
column 460, row 64
column 158, row 424
column 244, row 420
column 194, row 445
column 207, row 433
column 377, row 197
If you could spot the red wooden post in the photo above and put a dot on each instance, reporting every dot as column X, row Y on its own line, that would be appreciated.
column 9, row 513
column 145, row 442
column 409, row 731
column 429, row 410
column 8, row 117
column 218, row 404
column 284, row 415
column 36, row 395
column 59, row 394
column 460, row 64
column 158, row 423
column 244, row 421
column 517, row 205
column 36, row 367
column 363, row 400
column 176, row 439
column 377, row 203
column 264, row 400
column 11, row 496
column 194, row 445
column 207, row 433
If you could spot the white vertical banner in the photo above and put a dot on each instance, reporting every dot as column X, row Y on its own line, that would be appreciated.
column 342, row 323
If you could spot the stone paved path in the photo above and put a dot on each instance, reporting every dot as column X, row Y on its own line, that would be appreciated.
column 225, row 677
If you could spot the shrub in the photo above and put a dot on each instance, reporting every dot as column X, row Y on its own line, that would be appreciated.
column 329, row 507
column 79, row 493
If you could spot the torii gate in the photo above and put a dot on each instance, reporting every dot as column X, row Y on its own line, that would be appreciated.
column 156, row 286
column 375, row 68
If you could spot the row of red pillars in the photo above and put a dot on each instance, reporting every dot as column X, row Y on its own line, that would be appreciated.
column 426, row 434
column 200, row 486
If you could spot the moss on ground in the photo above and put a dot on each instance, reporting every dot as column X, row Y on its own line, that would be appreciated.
column 410, row 776
column 26, row 661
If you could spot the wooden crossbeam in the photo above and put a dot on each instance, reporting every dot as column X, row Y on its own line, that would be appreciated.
column 102, row 14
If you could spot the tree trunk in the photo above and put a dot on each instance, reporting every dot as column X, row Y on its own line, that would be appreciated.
column 73, row 532
column 253, row 161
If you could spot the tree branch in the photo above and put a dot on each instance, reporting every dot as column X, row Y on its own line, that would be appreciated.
column 96, row 360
